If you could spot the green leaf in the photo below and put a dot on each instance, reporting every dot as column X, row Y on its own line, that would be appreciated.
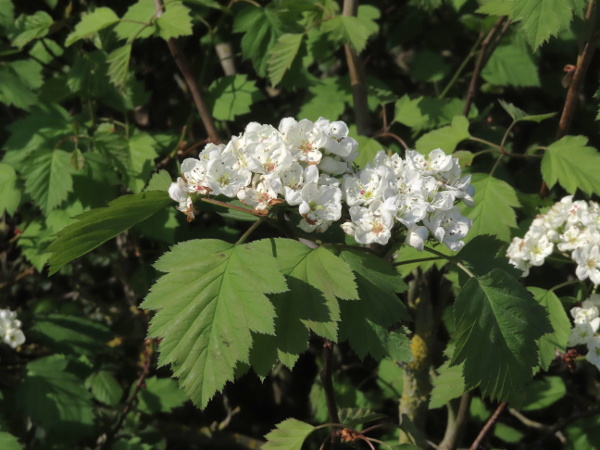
column 175, row 21
column 423, row 113
column 429, row 67
column 160, row 395
column 574, row 165
column 449, row 384
column 315, row 278
column 142, row 154
column 512, row 65
column 484, row 253
column 160, row 181
column 10, row 194
column 49, row 178
column 328, row 98
column 137, row 23
column 97, row 226
column 91, row 23
column 232, row 96
column 542, row 19
column 367, row 149
column 561, row 326
column 13, row 90
column 496, row 7
column 7, row 13
column 493, row 212
column 55, row 398
column 9, row 442
column 543, row 393
column 118, row 69
column 365, row 323
column 583, row 433
column 518, row 115
column 262, row 27
column 288, row 435
column 105, row 388
column 446, row 138
column 347, row 30
column 352, row 417
column 209, row 301
column 71, row 334
column 282, row 54
column 497, row 323
column 28, row 28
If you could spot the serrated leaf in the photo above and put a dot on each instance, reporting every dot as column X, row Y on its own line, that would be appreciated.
column 137, row 21
column 518, row 115
column 288, row 435
column 104, row 387
column 484, row 253
column 365, row 323
column 142, row 153
column 493, row 212
column 91, row 23
column 446, row 138
column 512, row 65
column 160, row 395
column 543, row 393
column 7, row 13
column 497, row 323
column 232, row 96
column 496, row 7
column 175, row 21
column 49, row 179
column 424, row 113
column 352, row 417
column 574, row 165
column 160, row 181
column 583, row 433
column 10, row 194
column 327, row 98
column 561, row 326
column 282, row 56
column 347, row 30
column 542, row 19
column 315, row 277
column 448, row 384
column 95, row 227
column 210, row 299
column 28, row 28
column 118, row 69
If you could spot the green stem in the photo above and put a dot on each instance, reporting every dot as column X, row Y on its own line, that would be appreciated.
column 461, row 68
column 483, row 141
column 563, row 284
column 250, row 230
column 228, row 206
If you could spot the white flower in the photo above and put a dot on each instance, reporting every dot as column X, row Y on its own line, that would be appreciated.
column 372, row 224
column 223, row 179
column 593, row 355
column 416, row 237
column 587, row 258
column 581, row 333
column 449, row 227
column 320, row 203
column 10, row 328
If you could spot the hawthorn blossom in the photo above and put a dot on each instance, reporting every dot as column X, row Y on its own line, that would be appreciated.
column 10, row 328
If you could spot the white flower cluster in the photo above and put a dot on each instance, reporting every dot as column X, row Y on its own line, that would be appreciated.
column 573, row 227
column 412, row 191
column 309, row 165
column 10, row 328
column 587, row 323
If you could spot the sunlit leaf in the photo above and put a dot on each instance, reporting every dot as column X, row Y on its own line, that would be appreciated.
column 289, row 435
column 91, row 23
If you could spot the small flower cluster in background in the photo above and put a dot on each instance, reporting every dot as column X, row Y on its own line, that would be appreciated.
column 310, row 165
column 587, row 322
column 10, row 328
column 573, row 227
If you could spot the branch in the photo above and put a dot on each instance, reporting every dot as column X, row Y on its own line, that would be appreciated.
column 456, row 423
column 357, row 79
column 326, row 375
column 190, row 81
column 488, row 426
column 494, row 34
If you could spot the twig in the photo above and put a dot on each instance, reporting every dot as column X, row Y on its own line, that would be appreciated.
column 190, row 80
column 484, row 54
column 357, row 79
column 583, row 62
column 326, row 376
column 456, row 423
column 393, row 136
column 25, row 273
column 488, row 426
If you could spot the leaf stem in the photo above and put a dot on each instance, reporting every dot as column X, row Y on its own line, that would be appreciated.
column 250, row 230
column 461, row 68
column 228, row 205
column 483, row 141
column 495, row 34
column 564, row 284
